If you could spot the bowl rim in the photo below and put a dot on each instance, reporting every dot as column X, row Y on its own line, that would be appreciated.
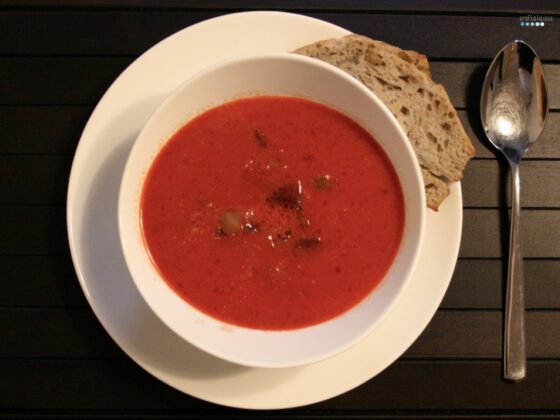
column 125, row 237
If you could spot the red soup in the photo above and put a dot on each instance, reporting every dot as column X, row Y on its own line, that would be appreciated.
column 272, row 213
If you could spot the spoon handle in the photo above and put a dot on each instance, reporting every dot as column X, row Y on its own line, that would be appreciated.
column 514, row 336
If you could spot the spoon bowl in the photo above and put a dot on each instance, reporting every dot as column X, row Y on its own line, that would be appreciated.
column 513, row 110
column 513, row 105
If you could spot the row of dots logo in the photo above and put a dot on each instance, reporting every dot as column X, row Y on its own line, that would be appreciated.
column 531, row 23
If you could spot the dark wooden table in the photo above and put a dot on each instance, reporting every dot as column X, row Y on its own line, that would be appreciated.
column 55, row 358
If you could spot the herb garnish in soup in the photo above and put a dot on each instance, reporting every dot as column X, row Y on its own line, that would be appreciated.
column 272, row 213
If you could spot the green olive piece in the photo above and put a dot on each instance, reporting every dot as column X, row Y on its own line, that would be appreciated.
column 231, row 221
column 323, row 182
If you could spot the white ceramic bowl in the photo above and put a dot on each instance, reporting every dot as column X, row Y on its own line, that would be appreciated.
column 270, row 74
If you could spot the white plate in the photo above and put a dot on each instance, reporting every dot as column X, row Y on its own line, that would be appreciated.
column 94, row 241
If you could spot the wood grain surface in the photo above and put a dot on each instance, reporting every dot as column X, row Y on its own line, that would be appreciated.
column 56, row 360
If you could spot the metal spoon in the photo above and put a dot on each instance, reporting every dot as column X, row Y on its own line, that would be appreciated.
column 513, row 109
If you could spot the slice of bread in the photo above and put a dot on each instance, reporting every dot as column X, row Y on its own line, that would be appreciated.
column 402, row 80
